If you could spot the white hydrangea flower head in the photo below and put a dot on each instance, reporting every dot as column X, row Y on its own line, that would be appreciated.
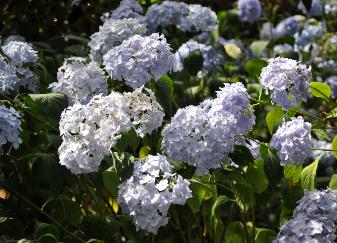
column 249, row 10
column 212, row 56
column 13, row 77
column 8, row 79
column 282, row 49
column 10, row 127
column 89, row 131
column 148, row 194
column 293, row 141
column 165, row 14
column 199, row 19
column 320, row 203
column 146, row 113
column 112, row 33
column 126, row 9
column 288, row 80
column 19, row 52
column 80, row 80
column 139, row 59
column 308, row 228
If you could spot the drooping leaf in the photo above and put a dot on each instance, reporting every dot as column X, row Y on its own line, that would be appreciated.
column 309, row 173
column 258, row 46
column 242, row 155
column 333, row 182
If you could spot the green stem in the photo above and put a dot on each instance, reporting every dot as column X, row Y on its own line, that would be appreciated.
column 31, row 204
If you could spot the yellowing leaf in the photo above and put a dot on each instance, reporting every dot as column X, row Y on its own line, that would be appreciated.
column 233, row 50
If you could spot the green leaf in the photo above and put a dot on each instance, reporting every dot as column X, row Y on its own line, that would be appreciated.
column 257, row 176
column 292, row 173
column 254, row 66
column 193, row 63
column 321, row 134
column 11, row 227
column 258, row 46
column 81, row 39
column 274, row 117
column 242, row 155
column 334, row 146
column 333, row 182
column 320, row 90
column 198, row 194
column 121, row 170
column 47, row 238
column 63, row 210
column 144, row 151
column 308, row 175
column 235, row 233
column 264, row 235
column 51, row 104
column 43, row 228
column 272, row 168
column 102, row 228
column 332, row 113
column 221, row 201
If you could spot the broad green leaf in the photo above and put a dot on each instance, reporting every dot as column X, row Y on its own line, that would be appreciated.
column 254, row 66
column 290, row 194
column 102, row 228
column 272, row 168
column 264, row 235
column 332, row 113
column 308, row 175
column 43, row 228
column 334, row 146
column 81, row 39
column 320, row 90
column 257, row 176
column 333, row 182
column 198, row 194
column 193, row 63
column 222, row 200
column 258, row 46
column 321, row 134
column 274, row 117
column 235, row 232
column 51, row 104
column 292, row 173
column 47, row 238
column 242, row 155
column 63, row 210
column 144, row 151
column 121, row 170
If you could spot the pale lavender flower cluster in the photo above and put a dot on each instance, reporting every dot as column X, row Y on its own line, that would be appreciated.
column 288, row 80
column 112, row 33
column 212, row 56
column 204, row 135
column 139, row 59
column 310, row 228
column 148, row 194
column 165, row 14
column 316, row 8
column 89, row 131
column 199, row 19
column 288, row 26
column 311, row 32
column 193, row 17
column 319, row 203
column 313, row 220
column 13, row 74
column 292, row 141
column 126, row 9
column 249, row 10
column 10, row 127
column 19, row 52
column 80, row 80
